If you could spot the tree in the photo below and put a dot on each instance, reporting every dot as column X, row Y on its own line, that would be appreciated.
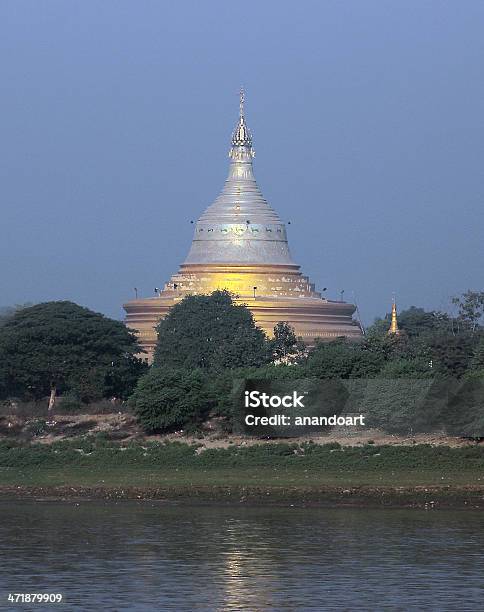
column 417, row 321
column 167, row 398
column 471, row 308
column 210, row 332
column 477, row 361
column 7, row 312
column 410, row 368
column 452, row 354
column 346, row 359
column 62, row 347
column 463, row 414
column 285, row 347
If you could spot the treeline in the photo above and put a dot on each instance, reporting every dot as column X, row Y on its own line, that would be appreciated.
column 430, row 376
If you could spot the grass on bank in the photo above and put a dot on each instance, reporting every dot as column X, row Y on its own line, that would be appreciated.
column 100, row 463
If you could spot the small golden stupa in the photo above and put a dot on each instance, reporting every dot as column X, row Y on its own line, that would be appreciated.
column 393, row 330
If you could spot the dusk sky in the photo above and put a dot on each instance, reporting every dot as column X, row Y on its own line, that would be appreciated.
column 368, row 126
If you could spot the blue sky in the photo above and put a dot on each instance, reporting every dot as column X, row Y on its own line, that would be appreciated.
column 116, row 118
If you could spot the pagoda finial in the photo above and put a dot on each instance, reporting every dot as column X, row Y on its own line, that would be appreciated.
column 241, row 102
column 242, row 136
column 394, row 324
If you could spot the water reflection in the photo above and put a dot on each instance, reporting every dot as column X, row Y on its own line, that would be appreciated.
column 147, row 556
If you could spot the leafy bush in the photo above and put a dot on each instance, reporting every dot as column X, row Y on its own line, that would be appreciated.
column 168, row 398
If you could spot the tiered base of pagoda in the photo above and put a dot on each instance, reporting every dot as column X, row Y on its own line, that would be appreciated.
column 272, row 293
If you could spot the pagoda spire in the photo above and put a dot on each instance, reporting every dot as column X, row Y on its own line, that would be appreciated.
column 240, row 225
column 241, row 136
column 394, row 324
column 241, row 102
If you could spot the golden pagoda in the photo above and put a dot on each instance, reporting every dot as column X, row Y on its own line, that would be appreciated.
column 240, row 244
column 393, row 329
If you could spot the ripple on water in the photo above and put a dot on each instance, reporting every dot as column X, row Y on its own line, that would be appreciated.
column 146, row 556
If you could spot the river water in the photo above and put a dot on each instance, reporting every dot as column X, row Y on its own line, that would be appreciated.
column 149, row 556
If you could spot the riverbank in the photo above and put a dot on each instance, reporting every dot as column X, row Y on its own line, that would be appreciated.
column 271, row 473
column 35, row 426
column 430, row 498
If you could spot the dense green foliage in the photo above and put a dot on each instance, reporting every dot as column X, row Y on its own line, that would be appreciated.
column 7, row 312
column 345, row 359
column 284, row 347
column 397, row 405
column 463, row 414
column 471, row 310
column 210, row 332
column 408, row 383
column 431, row 377
column 201, row 343
column 167, row 398
column 63, row 346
